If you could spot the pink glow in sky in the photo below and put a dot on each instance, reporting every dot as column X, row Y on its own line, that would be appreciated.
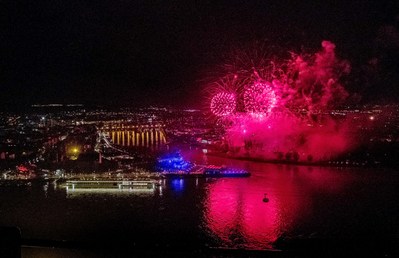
column 282, row 110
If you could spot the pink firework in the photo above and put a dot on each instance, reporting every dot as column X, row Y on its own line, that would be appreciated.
column 223, row 104
column 260, row 99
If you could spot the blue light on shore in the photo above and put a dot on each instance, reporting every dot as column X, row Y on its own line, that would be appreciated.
column 173, row 162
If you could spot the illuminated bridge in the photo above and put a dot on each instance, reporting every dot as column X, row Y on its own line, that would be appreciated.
column 135, row 135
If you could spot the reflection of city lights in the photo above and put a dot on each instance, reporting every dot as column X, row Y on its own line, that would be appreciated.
column 178, row 185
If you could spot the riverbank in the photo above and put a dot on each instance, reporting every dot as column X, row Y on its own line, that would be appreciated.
column 345, row 164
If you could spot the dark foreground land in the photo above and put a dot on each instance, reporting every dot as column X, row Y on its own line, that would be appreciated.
column 13, row 246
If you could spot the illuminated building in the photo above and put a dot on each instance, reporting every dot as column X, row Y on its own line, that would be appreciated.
column 136, row 135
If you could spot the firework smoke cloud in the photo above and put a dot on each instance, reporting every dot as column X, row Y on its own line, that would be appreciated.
column 279, row 109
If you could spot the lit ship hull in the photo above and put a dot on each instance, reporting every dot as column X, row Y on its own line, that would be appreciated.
column 109, row 185
column 209, row 171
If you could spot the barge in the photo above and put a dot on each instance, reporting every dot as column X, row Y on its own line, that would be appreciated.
column 208, row 171
column 109, row 185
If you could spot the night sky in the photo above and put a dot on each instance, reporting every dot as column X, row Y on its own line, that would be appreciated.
column 157, row 52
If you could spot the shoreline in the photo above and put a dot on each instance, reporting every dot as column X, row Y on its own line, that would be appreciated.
column 295, row 163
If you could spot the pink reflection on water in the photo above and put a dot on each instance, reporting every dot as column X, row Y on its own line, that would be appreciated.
column 236, row 216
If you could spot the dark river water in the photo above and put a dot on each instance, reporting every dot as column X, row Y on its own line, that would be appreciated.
column 305, row 202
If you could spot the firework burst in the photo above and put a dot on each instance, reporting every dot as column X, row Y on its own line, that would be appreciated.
column 272, row 106
column 260, row 99
column 223, row 104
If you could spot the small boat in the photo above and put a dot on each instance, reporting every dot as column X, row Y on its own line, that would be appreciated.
column 265, row 199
